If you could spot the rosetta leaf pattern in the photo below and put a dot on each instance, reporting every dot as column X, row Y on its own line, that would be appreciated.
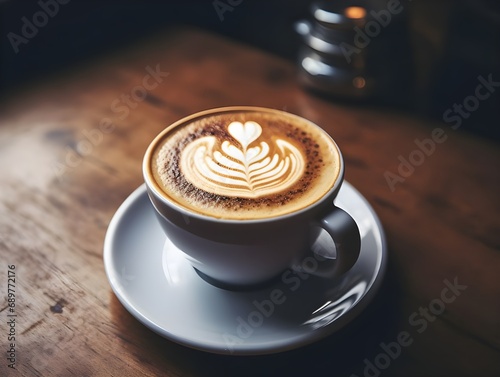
column 250, row 169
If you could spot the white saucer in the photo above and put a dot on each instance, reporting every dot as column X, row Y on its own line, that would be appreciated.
column 166, row 294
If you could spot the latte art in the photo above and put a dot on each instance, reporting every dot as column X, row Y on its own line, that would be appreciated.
column 243, row 163
column 240, row 170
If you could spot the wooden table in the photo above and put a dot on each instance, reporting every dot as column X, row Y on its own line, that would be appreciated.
column 70, row 152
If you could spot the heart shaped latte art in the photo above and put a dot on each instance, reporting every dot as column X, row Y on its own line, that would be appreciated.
column 245, row 133
column 241, row 170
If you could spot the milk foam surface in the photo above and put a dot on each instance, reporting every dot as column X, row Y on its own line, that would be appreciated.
column 245, row 165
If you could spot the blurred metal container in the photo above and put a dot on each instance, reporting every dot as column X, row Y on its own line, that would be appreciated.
column 354, row 49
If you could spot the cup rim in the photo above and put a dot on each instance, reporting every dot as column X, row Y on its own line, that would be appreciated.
column 154, row 187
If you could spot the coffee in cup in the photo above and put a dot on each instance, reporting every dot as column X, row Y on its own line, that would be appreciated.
column 244, row 191
column 245, row 164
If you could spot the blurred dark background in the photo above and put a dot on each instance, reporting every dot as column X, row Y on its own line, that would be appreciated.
column 450, row 43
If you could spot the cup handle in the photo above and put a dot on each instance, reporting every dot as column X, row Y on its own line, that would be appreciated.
column 345, row 234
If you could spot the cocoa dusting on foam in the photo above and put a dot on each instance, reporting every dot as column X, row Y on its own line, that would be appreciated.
column 175, row 183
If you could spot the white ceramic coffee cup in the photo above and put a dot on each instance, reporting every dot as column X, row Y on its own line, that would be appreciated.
column 241, row 253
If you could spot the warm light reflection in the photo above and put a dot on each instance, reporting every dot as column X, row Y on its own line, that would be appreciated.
column 355, row 12
column 359, row 82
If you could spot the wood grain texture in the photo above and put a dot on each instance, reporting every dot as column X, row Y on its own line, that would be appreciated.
column 70, row 153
